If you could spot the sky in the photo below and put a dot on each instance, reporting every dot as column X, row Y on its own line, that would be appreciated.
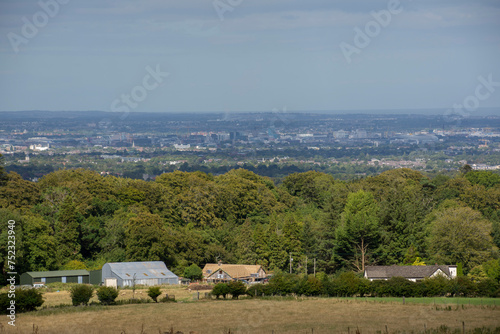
column 249, row 55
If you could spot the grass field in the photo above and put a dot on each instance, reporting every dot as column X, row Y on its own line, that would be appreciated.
column 287, row 315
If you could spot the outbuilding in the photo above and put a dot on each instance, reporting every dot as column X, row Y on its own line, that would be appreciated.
column 411, row 273
column 62, row 276
column 121, row 274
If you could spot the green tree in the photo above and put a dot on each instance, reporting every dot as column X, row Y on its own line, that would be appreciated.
column 81, row 294
column 145, row 238
column 40, row 244
column 460, row 235
column 67, row 232
column 193, row 272
column 237, row 288
column 220, row 289
column 107, row 295
column 358, row 233
column 154, row 292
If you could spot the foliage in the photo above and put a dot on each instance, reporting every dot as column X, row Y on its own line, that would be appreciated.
column 220, row 289
column 460, row 234
column 237, row 288
column 359, row 231
column 193, row 272
column 107, row 294
column 75, row 217
column 74, row 265
column 26, row 300
column 154, row 292
column 81, row 294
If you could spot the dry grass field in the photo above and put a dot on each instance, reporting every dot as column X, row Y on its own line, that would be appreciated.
column 258, row 316
column 181, row 293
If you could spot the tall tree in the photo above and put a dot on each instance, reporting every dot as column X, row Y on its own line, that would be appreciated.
column 358, row 232
column 460, row 235
column 67, row 232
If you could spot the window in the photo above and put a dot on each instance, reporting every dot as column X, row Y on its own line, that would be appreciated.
column 63, row 279
column 209, row 271
column 44, row 280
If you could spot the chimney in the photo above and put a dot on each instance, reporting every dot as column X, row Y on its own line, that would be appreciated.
column 220, row 263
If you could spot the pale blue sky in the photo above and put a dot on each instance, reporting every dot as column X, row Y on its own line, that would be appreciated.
column 263, row 55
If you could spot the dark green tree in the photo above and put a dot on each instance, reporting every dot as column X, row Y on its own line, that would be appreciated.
column 359, row 232
column 193, row 272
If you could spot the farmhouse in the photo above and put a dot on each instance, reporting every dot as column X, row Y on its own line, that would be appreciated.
column 412, row 273
column 63, row 276
column 219, row 272
column 120, row 274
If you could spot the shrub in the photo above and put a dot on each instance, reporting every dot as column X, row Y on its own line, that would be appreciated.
column 310, row 286
column 26, row 300
column 257, row 290
column 400, row 286
column 487, row 288
column 237, row 288
column 154, row 292
column 193, row 272
column 81, row 294
column 220, row 289
column 283, row 284
column 107, row 295
column 462, row 286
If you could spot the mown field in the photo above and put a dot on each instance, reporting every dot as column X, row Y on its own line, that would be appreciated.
column 287, row 315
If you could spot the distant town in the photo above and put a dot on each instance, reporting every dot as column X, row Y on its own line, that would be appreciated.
column 145, row 145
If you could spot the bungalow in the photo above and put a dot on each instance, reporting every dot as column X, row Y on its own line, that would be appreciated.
column 219, row 272
column 412, row 273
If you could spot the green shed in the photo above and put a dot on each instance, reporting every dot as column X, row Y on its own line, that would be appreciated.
column 46, row 277
column 96, row 277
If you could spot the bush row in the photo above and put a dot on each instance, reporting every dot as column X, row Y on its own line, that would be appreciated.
column 348, row 284
column 25, row 300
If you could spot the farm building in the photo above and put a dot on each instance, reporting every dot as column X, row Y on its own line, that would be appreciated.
column 219, row 272
column 412, row 273
column 63, row 276
column 120, row 274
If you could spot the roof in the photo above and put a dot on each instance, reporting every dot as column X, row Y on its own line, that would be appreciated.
column 233, row 270
column 404, row 271
column 58, row 273
column 142, row 270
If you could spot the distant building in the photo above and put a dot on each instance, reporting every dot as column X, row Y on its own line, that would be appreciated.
column 120, row 274
column 412, row 273
column 219, row 272
column 46, row 277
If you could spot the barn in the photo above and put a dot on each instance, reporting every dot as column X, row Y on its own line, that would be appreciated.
column 121, row 274
column 46, row 277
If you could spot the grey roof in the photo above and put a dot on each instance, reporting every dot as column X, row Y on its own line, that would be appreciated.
column 59, row 273
column 417, row 272
column 143, row 270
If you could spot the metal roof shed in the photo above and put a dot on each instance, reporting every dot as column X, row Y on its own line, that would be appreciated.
column 143, row 273
column 64, row 276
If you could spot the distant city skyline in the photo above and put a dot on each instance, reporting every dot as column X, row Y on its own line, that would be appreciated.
column 250, row 56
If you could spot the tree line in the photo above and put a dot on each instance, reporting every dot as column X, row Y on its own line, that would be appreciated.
column 76, row 219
